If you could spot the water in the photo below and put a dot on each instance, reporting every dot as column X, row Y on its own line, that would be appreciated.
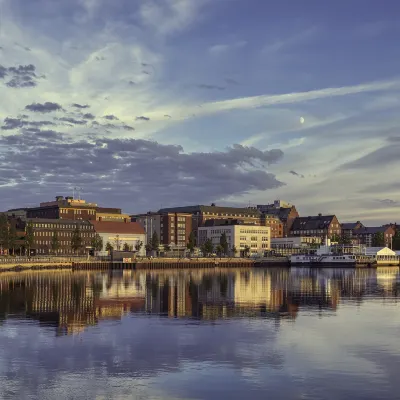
column 221, row 334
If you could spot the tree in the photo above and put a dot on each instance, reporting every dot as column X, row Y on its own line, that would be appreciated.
column 148, row 248
column 378, row 240
column 396, row 241
column 234, row 251
column 191, row 242
column 109, row 247
column 167, row 248
column 97, row 242
column 246, row 251
column 138, row 246
column 29, row 236
column 55, row 244
column 117, row 243
column 223, row 243
column 345, row 239
column 219, row 249
column 12, row 238
column 155, row 242
column 335, row 238
column 207, row 247
column 4, row 233
column 76, row 239
column 127, row 247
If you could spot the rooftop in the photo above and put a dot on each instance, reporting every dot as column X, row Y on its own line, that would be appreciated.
column 312, row 222
column 117, row 227
column 213, row 209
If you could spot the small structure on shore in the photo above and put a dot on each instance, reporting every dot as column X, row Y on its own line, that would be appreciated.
column 382, row 255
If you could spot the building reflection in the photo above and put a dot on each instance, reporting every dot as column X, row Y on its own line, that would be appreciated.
column 71, row 302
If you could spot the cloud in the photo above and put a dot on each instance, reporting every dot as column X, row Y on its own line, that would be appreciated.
column 76, row 105
column 388, row 202
column 231, row 81
column 15, row 123
column 43, row 108
column 223, row 48
column 22, row 76
column 33, row 161
column 212, row 87
column 142, row 118
column 111, row 117
column 88, row 116
column 296, row 174
column 72, row 120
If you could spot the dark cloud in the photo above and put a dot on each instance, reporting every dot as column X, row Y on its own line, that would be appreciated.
column 111, row 117
column 15, row 123
column 43, row 108
column 128, row 128
column 231, row 81
column 76, row 105
column 132, row 83
column 88, row 116
column 210, row 87
column 72, row 120
column 100, row 58
column 150, row 171
column 167, row 116
column 388, row 202
column 146, row 72
column 296, row 174
column 22, row 76
column 142, row 118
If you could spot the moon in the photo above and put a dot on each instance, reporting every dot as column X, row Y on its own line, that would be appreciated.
column 302, row 120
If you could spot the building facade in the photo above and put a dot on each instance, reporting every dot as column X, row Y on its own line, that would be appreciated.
column 349, row 227
column 173, row 229
column 320, row 225
column 273, row 222
column 239, row 235
column 367, row 235
column 285, row 211
column 45, row 228
column 200, row 214
column 119, row 233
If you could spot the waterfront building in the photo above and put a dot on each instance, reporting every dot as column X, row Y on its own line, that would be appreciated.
column 239, row 234
column 349, row 227
column 272, row 221
column 173, row 228
column 320, row 225
column 292, row 245
column 366, row 235
column 201, row 213
column 119, row 233
column 285, row 211
column 44, row 230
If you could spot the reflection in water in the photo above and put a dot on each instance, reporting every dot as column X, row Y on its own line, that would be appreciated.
column 217, row 318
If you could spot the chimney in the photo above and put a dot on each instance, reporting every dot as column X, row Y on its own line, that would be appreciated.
column 126, row 220
column 59, row 198
column 319, row 215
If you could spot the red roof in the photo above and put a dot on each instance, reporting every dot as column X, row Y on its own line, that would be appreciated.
column 117, row 227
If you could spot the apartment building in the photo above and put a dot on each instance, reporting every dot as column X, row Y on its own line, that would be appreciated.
column 239, row 235
column 319, row 225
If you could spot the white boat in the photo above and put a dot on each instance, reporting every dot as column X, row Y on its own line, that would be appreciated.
column 323, row 257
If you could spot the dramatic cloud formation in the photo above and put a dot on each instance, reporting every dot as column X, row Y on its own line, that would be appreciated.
column 23, row 76
column 163, row 71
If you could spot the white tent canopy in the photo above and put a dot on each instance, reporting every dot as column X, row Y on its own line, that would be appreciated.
column 379, row 251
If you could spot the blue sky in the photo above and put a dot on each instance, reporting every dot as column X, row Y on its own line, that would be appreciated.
column 222, row 85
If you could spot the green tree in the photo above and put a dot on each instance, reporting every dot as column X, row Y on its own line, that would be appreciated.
column 117, row 243
column 191, row 242
column 109, row 247
column 335, row 238
column 12, row 238
column 76, row 240
column 345, row 239
column 4, row 232
column 207, row 247
column 29, row 236
column 396, row 241
column 148, row 248
column 97, row 242
column 155, row 242
column 234, row 251
column 378, row 240
column 219, row 249
column 167, row 248
column 127, row 247
column 223, row 243
column 246, row 251
column 55, row 243
column 138, row 246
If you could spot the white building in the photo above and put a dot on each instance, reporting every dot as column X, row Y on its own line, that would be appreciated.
column 257, row 238
column 382, row 255
column 119, row 233
column 294, row 242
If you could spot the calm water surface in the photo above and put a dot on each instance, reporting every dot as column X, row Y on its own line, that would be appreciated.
column 220, row 334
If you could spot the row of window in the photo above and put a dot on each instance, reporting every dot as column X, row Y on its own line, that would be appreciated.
column 66, row 211
column 256, row 231
column 63, row 226
column 48, row 242
column 68, row 234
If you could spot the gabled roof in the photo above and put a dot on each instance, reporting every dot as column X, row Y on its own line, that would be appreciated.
column 312, row 222
column 370, row 230
column 118, row 227
column 282, row 213
column 351, row 225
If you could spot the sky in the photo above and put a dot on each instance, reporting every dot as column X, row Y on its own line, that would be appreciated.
column 158, row 103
